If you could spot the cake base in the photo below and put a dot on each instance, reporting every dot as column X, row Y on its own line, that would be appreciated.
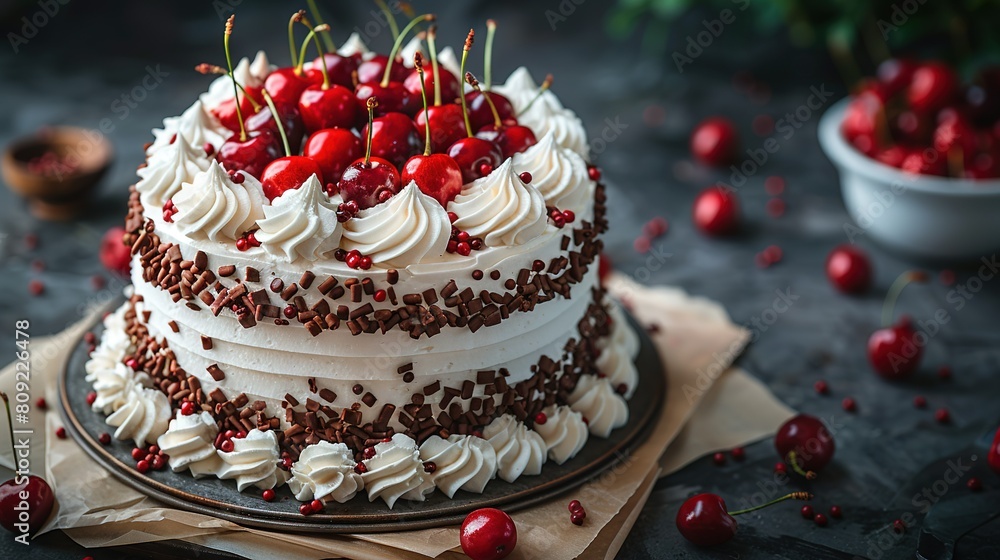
column 219, row 498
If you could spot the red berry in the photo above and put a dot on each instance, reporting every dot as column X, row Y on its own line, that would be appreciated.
column 154, row 449
column 575, row 505
column 316, row 506
column 187, row 408
column 738, row 453
column 430, row 467
column 463, row 249
column 305, row 509
column 719, row 459
column 158, row 463
column 241, row 244
column 105, row 438
column 369, row 452
column 820, row 520
column 898, row 526
column 61, row 432
column 40, row 403
column 974, row 484
column 268, row 495
column 365, row 263
column 488, row 534
column 227, row 446
column 942, row 415
column 821, row 387
column 716, row 211
column 379, row 296
column 594, row 173
column 715, row 141
column 849, row 404
column 360, row 468
column 36, row 288
column 780, row 468
column 541, row 418
column 138, row 453
column 807, row 511
column 577, row 517
column 569, row 216
column 835, row 512
column 919, row 401
column 525, row 177
column 641, row 244
column 142, row 466
column 91, row 397
column 849, row 269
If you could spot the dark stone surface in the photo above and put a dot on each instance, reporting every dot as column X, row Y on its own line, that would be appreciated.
column 86, row 57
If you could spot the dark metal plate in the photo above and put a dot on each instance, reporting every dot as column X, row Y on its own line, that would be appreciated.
column 219, row 498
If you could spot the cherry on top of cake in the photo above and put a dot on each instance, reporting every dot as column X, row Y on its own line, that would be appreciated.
column 365, row 125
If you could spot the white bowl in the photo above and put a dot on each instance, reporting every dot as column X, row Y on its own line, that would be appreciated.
column 920, row 216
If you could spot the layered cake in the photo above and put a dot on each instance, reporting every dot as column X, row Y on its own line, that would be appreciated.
column 385, row 321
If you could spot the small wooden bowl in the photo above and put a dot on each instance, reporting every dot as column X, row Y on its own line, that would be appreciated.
column 58, row 193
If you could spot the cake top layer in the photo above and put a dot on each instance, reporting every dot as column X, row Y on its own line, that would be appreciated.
column 357, row 173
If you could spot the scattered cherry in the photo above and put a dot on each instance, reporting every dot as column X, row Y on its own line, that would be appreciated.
column 835, row 512
column 719, row 459
column 715, row 141
column 115, row 255
column 716, row 211
column 849, row 269
column 893, row 352
column 805, row 443
column 807, row 511
column 703, row 519
column 488, row 534
column 61, row 432
column 820, row 520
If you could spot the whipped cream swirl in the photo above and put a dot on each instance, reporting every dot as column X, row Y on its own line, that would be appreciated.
column 214, row 207
column 143, row 416
column 253, row 461
column 189, row 442
column 113, row 384
column 195, row 125
column 520, row 88
column 353, row 45
column 564, row 432
column 169, row 168
column 461, row 462
column 603, row 408
column 260, row 69
column 325, row 471
column 618, row 350
column 500, row 208
column 409, row 49
column 519, row 450
column 558, row 173
column 545, row 118
column 408, row 228
column 300, row 223
column 396, row 471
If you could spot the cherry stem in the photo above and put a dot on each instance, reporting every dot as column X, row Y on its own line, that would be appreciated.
column 465, row 54
column 491, row 29
column 370, row 104
column 314, row 35
column 472, row 81
column 236, row 90
column 805, row 496
column 896, row 289
column 418, row 63
column 330, row 47
column 545, row 86
column 793, row 460
column 205, row 68
column 10, row 426
column 277, row 120
column 399, row 43
column 297, row 16
column 432, row 47
column 389, row 18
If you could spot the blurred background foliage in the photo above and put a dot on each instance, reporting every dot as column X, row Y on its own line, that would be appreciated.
column 858, row 33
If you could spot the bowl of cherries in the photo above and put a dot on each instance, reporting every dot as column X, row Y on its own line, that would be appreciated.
column 918, row 152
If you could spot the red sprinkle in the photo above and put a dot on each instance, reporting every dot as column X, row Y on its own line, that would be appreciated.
column 379, row 296
column 541, row 418
column 525, row 177
column 142, row 466
column 974, row 484
column 821, row 387
column 36, row 288
column 774, row 185
column 575, row 505
column 780, row 468
column 719, row 459
column 775, row 207
column 835, row 512
column 91, row 397
column 40, row 404
column 942, row 416
column 594, row 173
column 268, row 495
column 807, row 511
column 820, row 520
column 61, row 432
column 305, row 509
column 187, row 408
column 849, row 404
column 656, row 227
column 138, row 453
column 105, row 438
column 316, row 506
column 738, row 453
column 898, row 526
column 919, row 401
column 641, row 244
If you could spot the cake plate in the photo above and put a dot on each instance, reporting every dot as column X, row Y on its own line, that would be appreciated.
column 219, row 498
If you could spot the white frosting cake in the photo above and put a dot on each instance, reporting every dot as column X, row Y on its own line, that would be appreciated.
column 254, row 349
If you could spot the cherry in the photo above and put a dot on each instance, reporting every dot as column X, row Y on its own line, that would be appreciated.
column 703, row 519
column 450, row 87
column 291, row 123
column 892, row 351
column 932, row 86
column 480, row 113
column 229, row 113
column 24, row 494
column 511, row 139
column 393, row 98
column 820, row 520
column 437, row 175
column 447, row 126
column 472, row 153
column 286, row 86
column 488, row 534
column 341, row 69
column 115, row 254
column 924, row 162
column 287, row 173
column 333, row 149
column 849, row 269
column 835, row 512
column 394, row 137
column 715, row 141
column 326, row 105
column 864, row 123
column 371, row 71
column 954, row 135
column 250, row 153
column 365, row 181
column 716, row 211
column 993, row 455
column 807, row 511
column 805, row 443
column 895, row 74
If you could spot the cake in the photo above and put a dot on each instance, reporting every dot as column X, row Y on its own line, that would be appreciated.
column 385, row 343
